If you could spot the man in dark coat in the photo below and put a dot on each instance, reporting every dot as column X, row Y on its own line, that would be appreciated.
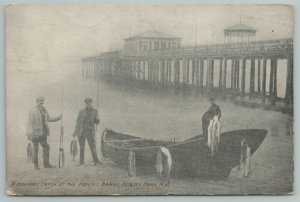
column 214, row 110
column 85, row 129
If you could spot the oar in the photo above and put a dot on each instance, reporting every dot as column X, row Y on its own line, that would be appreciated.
column 61, row 162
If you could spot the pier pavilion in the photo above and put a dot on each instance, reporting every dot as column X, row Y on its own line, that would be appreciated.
column 239, row 33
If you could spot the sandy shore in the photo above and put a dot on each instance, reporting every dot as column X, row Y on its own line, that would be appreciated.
column 153, row 116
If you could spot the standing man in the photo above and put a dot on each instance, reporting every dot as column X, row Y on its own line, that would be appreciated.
column 214, row 110
column 38, row 130
column 85, row 129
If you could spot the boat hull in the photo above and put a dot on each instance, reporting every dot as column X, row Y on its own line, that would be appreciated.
column 191, row 158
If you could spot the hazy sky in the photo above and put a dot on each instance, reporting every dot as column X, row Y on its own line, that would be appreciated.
column 47, row 36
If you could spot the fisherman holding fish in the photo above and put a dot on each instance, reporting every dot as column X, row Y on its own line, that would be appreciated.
column 85, row 129
column 211, row 126
column 38, row 130
column 214, row 110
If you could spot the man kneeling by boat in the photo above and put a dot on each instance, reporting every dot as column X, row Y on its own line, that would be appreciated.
column 85, row 129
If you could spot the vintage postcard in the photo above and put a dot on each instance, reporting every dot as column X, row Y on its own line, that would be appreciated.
column 149, row 99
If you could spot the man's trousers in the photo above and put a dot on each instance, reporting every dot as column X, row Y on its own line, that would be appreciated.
column 90, row 139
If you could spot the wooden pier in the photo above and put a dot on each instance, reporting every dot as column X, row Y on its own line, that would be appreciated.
column 244, row 72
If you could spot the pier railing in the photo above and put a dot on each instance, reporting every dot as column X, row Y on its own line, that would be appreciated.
column 277, row 47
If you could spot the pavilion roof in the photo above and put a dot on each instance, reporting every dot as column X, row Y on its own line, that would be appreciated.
column 153, row 34
column 240, row 27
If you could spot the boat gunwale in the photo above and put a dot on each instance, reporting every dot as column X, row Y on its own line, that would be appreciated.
column 190, row 140
column 151, row 147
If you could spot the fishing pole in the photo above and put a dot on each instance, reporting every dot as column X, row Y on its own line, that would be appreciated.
column 95, row 137
column 97, row 99
column 61, row 149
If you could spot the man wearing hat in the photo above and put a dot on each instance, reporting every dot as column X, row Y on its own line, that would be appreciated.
column 38, row 130
column 214, row 110
column 85, row 129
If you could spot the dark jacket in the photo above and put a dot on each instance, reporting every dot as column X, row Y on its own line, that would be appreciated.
column 214, row 110
column 86, row 121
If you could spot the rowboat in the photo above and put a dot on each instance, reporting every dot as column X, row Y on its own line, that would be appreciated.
column 190, row 158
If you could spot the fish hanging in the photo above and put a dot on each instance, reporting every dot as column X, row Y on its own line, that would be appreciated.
column 73, row 148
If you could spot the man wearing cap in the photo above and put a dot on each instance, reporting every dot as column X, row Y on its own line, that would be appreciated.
column 38, row 130
column 214, row 110
column 85, row 129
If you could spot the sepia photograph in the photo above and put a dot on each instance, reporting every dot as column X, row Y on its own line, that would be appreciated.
column 149, row 99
